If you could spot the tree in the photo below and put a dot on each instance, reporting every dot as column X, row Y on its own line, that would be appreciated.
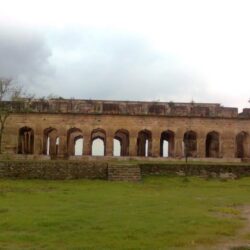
column 3, row 117
column 5, row 85
column 8, row 91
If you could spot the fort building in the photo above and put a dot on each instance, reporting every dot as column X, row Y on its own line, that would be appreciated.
column 198, row 130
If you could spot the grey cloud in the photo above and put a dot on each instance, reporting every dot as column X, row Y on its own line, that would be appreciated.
column 94, row 63
column 24, row 56
column 106, row 64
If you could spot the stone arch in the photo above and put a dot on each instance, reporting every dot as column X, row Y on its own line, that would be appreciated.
column 144, row 143
column 122, row 135
column 26, row 141
column 242, row 145
column 190, row 144
column 169, row 137
column 73, row 135
column 98, row 134
column 50, row 141
column 213, row 144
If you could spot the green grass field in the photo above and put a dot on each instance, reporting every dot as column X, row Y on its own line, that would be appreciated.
column 158, row 213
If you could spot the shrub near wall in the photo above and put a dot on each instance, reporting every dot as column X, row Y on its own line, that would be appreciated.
column 53, row 169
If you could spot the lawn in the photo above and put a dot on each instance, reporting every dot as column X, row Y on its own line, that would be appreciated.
column 158, row 213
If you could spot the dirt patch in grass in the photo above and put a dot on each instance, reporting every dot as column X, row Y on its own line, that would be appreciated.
column 241, row 240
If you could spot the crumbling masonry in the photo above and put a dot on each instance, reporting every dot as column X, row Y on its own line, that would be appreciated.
column 52, row 127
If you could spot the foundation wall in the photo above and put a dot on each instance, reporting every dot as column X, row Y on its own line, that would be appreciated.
column 54, row 170
column 64, row 170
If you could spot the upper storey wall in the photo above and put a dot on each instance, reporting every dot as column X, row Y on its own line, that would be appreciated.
column 124, row 108
column 245, row 113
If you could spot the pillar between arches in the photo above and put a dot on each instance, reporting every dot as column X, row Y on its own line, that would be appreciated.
column 156, row 138
column 227, row 145
column 87, row 144
column 109, row 146
column 62, row 133
column 38, row 141
column 201, row 146
column 179, row 145
column 133, row 145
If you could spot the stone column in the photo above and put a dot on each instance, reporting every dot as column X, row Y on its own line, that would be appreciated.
column 87, row 144
column 201, row 145
column 38, row 141
column 227, row 144
column 62, row 133
column 52, row 146
column 179, row 144
column 71, row 145
column 133, row 144
column 109, row 145
column 247, row 147
column 156, row 140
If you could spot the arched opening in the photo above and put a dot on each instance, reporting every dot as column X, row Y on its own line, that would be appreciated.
column 78, row 150
column 98, row 142
column 190, row 144
column 144, row 143
column 48, row 146
column 116, row 147
column 213, row 144
column 98, row 148
column 167, row 144
column 50, row 141
column 75, row 141
column 121, row 143
column 242, row 145
column 26, row 141
column 57, row 145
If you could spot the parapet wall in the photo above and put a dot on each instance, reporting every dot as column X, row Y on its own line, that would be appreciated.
column 245, row 113
column 123, row 108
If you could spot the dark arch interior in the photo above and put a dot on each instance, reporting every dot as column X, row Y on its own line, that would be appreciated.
column 190, row 144
column 26, row 141
column 72, row 136
column 50, row 139
column 212, row 145
column 144, row 143
column 167, row 136
column 122, row 136
column 242, row 145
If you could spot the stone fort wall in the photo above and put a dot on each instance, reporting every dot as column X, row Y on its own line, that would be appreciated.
column 191, row 129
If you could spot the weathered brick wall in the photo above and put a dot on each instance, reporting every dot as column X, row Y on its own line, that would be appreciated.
column 121, row 108
column 59, row 170
column 124, row 172
column 195, row 169
column 227, row 128
column 87, row 116
column 53, row 170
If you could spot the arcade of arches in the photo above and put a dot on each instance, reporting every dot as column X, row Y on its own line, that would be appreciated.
column 65, row 128
column 142, row 143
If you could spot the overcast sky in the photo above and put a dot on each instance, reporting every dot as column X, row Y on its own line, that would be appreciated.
column 129, row 50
